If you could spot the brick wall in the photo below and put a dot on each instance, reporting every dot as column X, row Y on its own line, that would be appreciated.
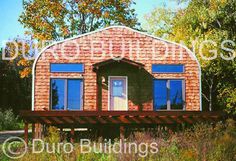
column 115, row 41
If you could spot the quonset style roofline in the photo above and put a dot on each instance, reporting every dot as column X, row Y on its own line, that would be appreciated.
column 124, row 27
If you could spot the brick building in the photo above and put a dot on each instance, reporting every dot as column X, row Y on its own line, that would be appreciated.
column 116, row 68
column 118, row 77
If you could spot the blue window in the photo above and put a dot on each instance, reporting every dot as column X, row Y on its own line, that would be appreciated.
column 176, row 94
column 168, row 94
column 117, row 86
column 66, row 94
column 58, row 94
column 160, row 94
column 75, row 93
column 77, row 68
column 167, row 68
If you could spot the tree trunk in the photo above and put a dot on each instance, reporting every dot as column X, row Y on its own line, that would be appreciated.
column 210, row 98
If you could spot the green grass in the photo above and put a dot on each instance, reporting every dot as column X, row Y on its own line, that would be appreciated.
column 9, row 121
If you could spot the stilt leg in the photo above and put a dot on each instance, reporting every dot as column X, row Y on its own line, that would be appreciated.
column 33, row 131
column 61, row 134
column 122, row 132
column 72, row 135
column 26, row 133
column 38, row 131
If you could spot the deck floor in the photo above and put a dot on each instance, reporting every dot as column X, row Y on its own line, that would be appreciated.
column 80, row 118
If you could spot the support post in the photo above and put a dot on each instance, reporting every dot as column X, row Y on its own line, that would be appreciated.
column 72, row 135
column 38, row 131
column 61, row 134
column 33, row 131
column 122, row 132
column 26, row 135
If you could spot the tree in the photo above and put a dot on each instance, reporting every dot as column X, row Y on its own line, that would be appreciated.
column 53, row 20
column 22, row 52
column 15, row 92
column 55, row 97
column 57, row 19
column 207, row 20
column 160, row 22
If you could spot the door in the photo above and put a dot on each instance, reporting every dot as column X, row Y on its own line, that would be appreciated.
column 118, row 93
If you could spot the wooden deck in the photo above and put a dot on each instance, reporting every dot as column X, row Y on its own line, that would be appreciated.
column 98, row 119
column 81, row 118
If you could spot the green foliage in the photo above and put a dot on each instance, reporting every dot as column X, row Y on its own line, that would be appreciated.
column 53, row 20
column 22, row 48
column 15, row 147
column 97, row 157
column 56, row 20
column 160, row 22
column 228, row 98
column 205, row 20
column 53, row 135
column 15, row 92
column 200, row 142
column 8, row 121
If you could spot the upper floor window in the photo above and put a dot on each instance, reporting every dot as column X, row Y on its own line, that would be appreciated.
column 78, row 68
column 66, row 94
column 167, row 68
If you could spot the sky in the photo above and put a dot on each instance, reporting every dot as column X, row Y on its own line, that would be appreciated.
column 9, row 14
column 10, row 11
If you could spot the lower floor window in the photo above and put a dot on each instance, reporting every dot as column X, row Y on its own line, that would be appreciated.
column 66, row 94
column 168, row 94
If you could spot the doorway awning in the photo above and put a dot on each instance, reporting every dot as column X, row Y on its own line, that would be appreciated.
column 96, row 66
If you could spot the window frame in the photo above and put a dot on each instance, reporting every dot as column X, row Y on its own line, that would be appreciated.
column 168, row 101
column 66, row 94
column 165, row 72
column 83, row 68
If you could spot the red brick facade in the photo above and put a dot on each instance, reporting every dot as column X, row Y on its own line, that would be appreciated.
column 100, row 45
